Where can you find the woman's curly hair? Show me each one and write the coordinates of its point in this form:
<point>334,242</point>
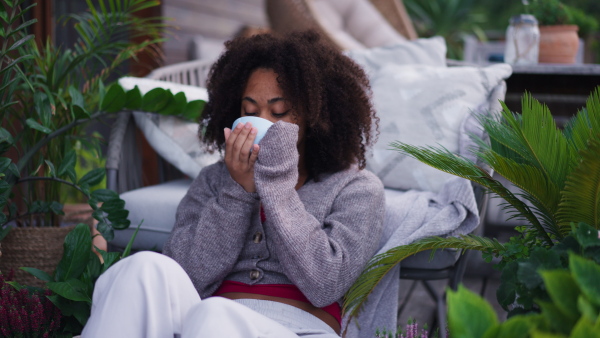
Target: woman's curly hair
<point>330,91</point>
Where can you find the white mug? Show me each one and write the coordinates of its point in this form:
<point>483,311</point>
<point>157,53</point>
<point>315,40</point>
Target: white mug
<point>262,125</point>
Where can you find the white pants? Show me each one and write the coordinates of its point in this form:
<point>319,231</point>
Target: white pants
<point>149,295</point>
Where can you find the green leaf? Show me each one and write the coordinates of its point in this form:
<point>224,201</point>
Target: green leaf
<point>516,327</point>
<point>180,103</point>
<point>78,244</point>
<point>93,177</point>
<point>155,100</point>
<point>555,319</point>
<point>133,99</point>
<point>587,274</point>
<point>170,106</point>
<point>35,125</point>
<point>109,258</point>
<point>506,292</point>
<point>72,289</point>
<point>106,231</point>
<point>127,250</point>
<point>540,258</point>
<point>76,97</point>
<point>586,308</point>
<point>79,112</point>
<point>68,163</point>
<point>43,275</point>
<point>585,329</point>
<point>469,315</point>
<point>104,195</point>
<point>6,140</point>
<point>193,110</point>
<point>94,267</point>
<point>118,216</point>
<point>587,236</point>
<point>114,100</point>
<point>51,167</point>
<point>5,230</point>
<point>4,163</point>
<point>563,290</point>
<point>113,205</point>
<point>56,208</point>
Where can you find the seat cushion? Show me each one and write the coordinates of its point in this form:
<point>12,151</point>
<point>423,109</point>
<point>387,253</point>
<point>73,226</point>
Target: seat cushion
<point>156,206</point>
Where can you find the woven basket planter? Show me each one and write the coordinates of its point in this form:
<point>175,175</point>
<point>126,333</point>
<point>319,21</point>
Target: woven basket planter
<point>34,247</point>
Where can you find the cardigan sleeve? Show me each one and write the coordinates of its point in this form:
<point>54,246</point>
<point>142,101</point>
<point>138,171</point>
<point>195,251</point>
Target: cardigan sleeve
<point>322,259</point>
<point>211,223</point>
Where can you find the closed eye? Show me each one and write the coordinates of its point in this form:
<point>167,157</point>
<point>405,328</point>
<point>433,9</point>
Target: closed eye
<point>280,115</point>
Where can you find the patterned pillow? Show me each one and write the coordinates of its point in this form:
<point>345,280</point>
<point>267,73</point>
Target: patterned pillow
<point>425,106</point>
<point>174,139</point>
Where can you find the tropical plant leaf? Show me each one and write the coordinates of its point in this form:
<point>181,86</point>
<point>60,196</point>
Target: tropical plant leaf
<point>381,264</point>
<point>580,200</point>
<point>469,315</point>
<point>456,165</point>
<point>77,245</point>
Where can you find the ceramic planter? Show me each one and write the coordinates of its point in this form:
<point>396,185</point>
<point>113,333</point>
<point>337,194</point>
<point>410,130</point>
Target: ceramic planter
<point>558,44</point>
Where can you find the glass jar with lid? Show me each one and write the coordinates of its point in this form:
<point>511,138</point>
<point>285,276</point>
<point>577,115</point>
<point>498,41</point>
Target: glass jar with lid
<point>522,40</point>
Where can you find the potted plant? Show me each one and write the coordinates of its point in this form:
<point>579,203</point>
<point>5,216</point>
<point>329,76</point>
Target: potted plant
<point>557,172</point>
<point>568,306</point>
<point>48,94</point>
<point>559,41</point>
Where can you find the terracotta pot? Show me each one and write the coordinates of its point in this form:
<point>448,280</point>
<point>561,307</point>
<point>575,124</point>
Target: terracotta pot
<point>34,247</point>
<point>558,44</point>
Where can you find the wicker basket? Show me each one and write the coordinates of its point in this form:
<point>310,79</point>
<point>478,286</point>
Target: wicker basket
<point>35,247</point>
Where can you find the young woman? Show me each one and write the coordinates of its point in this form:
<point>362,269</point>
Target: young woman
<point>271,237</point>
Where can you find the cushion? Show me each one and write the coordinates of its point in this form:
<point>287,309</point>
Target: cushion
<point>425,106</point>
<point>426,51</point>
<point>174,139</point>
<point>354,24</point>
<point>155,206</point>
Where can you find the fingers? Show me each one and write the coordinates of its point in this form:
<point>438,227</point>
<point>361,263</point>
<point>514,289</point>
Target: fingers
<point>239,141</point>
<point>254,154</point>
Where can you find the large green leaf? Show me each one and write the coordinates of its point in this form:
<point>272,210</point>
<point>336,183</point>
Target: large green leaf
<point>72,289</point>
<point>156,99</point>
<point>78,244</point>
<point>469,315</point>
<point>580,200</point>
<point>381,264</point>
<point>585,329</point>
<point>563,290</point>
<point>515,327</point>
<point>133,99</point>
<point>193,110</point>
<point>587,274</point>
<point>43,275</point>
<point>104,195</point>
<point>555,318</point>
<point>33,124</point>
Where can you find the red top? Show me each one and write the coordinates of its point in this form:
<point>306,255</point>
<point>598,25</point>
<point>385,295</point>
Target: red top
<point>288,291</point>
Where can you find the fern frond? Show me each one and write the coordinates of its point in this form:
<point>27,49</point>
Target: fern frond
<point>581,197</point>
<point>444,160</point>
<point>381,264</point>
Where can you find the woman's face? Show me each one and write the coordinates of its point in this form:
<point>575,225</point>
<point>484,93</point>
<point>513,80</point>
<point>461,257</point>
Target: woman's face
<point>264,98</point>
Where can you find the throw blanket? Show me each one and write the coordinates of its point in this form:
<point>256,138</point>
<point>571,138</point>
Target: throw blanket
<point>410,216</point>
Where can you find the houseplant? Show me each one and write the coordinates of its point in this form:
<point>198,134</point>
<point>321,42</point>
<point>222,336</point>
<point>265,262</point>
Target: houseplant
<point>559,41</point>
<point>570,307</point>
<point>557,172</point>
<point>47,95</point>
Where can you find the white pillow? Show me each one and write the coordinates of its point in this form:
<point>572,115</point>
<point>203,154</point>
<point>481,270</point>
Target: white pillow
<point>425,106</point>
<point>426,51</point>
<point>174,139</point>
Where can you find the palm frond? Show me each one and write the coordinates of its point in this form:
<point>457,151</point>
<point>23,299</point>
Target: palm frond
<point>543,194</point>
<point>381,264</point>
<point>581,197</point>
<point>446,161</point>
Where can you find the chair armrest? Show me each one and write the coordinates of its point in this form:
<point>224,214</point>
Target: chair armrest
<point>115,142</point>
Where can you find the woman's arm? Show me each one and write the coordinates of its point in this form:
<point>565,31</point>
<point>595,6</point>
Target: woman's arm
<point>321,258</point>
<point>210,227</point>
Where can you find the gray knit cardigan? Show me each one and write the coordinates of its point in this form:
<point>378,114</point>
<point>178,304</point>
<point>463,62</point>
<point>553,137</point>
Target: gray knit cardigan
<point>318,238</point>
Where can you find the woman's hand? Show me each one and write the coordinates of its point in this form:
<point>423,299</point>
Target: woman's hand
<point>238,157</point>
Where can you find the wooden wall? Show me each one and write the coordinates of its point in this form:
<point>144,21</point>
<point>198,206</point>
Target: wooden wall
<point>215,19</point>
